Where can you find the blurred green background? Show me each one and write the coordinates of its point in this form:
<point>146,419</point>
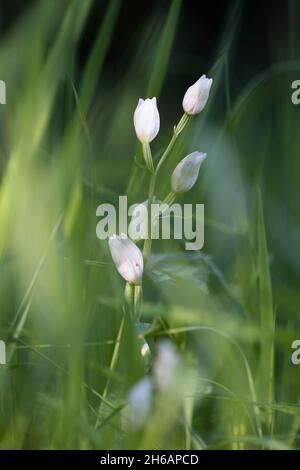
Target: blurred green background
<point>74,71</point>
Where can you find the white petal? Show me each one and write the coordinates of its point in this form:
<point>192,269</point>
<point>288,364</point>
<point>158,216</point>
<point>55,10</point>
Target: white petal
<point>186,172</point>
<point>139,403</point>
<point>138,227</point>
<point>146,120</point>
<point>127,258</point>
<point>197,95</point>
<point>165,365</point>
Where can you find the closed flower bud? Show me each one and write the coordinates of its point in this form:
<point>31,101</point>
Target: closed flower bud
<point>186,172</point>
<point>165,365</point>
<point>197,95</point>
<point>127,258</point>
<point>138,404</point>
<point>146,120</point>
<point>138,227</point>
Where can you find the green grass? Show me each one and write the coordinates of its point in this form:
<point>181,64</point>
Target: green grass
<point>67,144</point>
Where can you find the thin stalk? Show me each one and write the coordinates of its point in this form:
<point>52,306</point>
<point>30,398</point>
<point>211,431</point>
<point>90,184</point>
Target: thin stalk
<point>177,130</point>
<point>133,296</point>
<point>170,198</point>
<point>148,240</point>
<point>113,363</point>
<point>137,302</point>
<point>148,157</point>
<point>129,297</point>
<point>149,162</point>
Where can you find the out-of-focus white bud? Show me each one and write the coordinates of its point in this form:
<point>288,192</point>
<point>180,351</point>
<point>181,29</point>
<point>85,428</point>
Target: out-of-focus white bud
<point>127,258</point>
<point>165,365</point>
<point>197,95</point>
<point>145,353</point>
<point>146,120</point>
<point>186,172</point>
<point>138,226</point>
<point>138,404</point>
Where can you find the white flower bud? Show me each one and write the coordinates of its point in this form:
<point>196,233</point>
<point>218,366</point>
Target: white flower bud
<point>138,404</point>
<point>138,226</point>
<point>146,120</point>
<point>127,258</point>
<point>197,95</point>
<point>186,172</point>
<point>165,365</point>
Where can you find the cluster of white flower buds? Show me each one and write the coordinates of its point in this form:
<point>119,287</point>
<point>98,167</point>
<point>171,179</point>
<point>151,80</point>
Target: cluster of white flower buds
<point>146,116</point>
<point>127,257</point>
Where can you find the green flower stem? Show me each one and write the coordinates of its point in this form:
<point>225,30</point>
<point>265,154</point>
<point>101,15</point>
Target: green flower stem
<point>167,202</point>
<point>149,162</point>
<point>113,363</point>
<point>133,297</point>
<point>177,130</point>
<point>148,157</point>
<point>129,296</point>
<point>148,240</point>
<point>170,198</point>
<point>137,302</point>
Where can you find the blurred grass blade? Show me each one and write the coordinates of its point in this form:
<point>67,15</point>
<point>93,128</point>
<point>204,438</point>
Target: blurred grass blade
<point>164,51</point>
<point>113,363</point>
<point>97,56</point>
<point>266,317</point>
